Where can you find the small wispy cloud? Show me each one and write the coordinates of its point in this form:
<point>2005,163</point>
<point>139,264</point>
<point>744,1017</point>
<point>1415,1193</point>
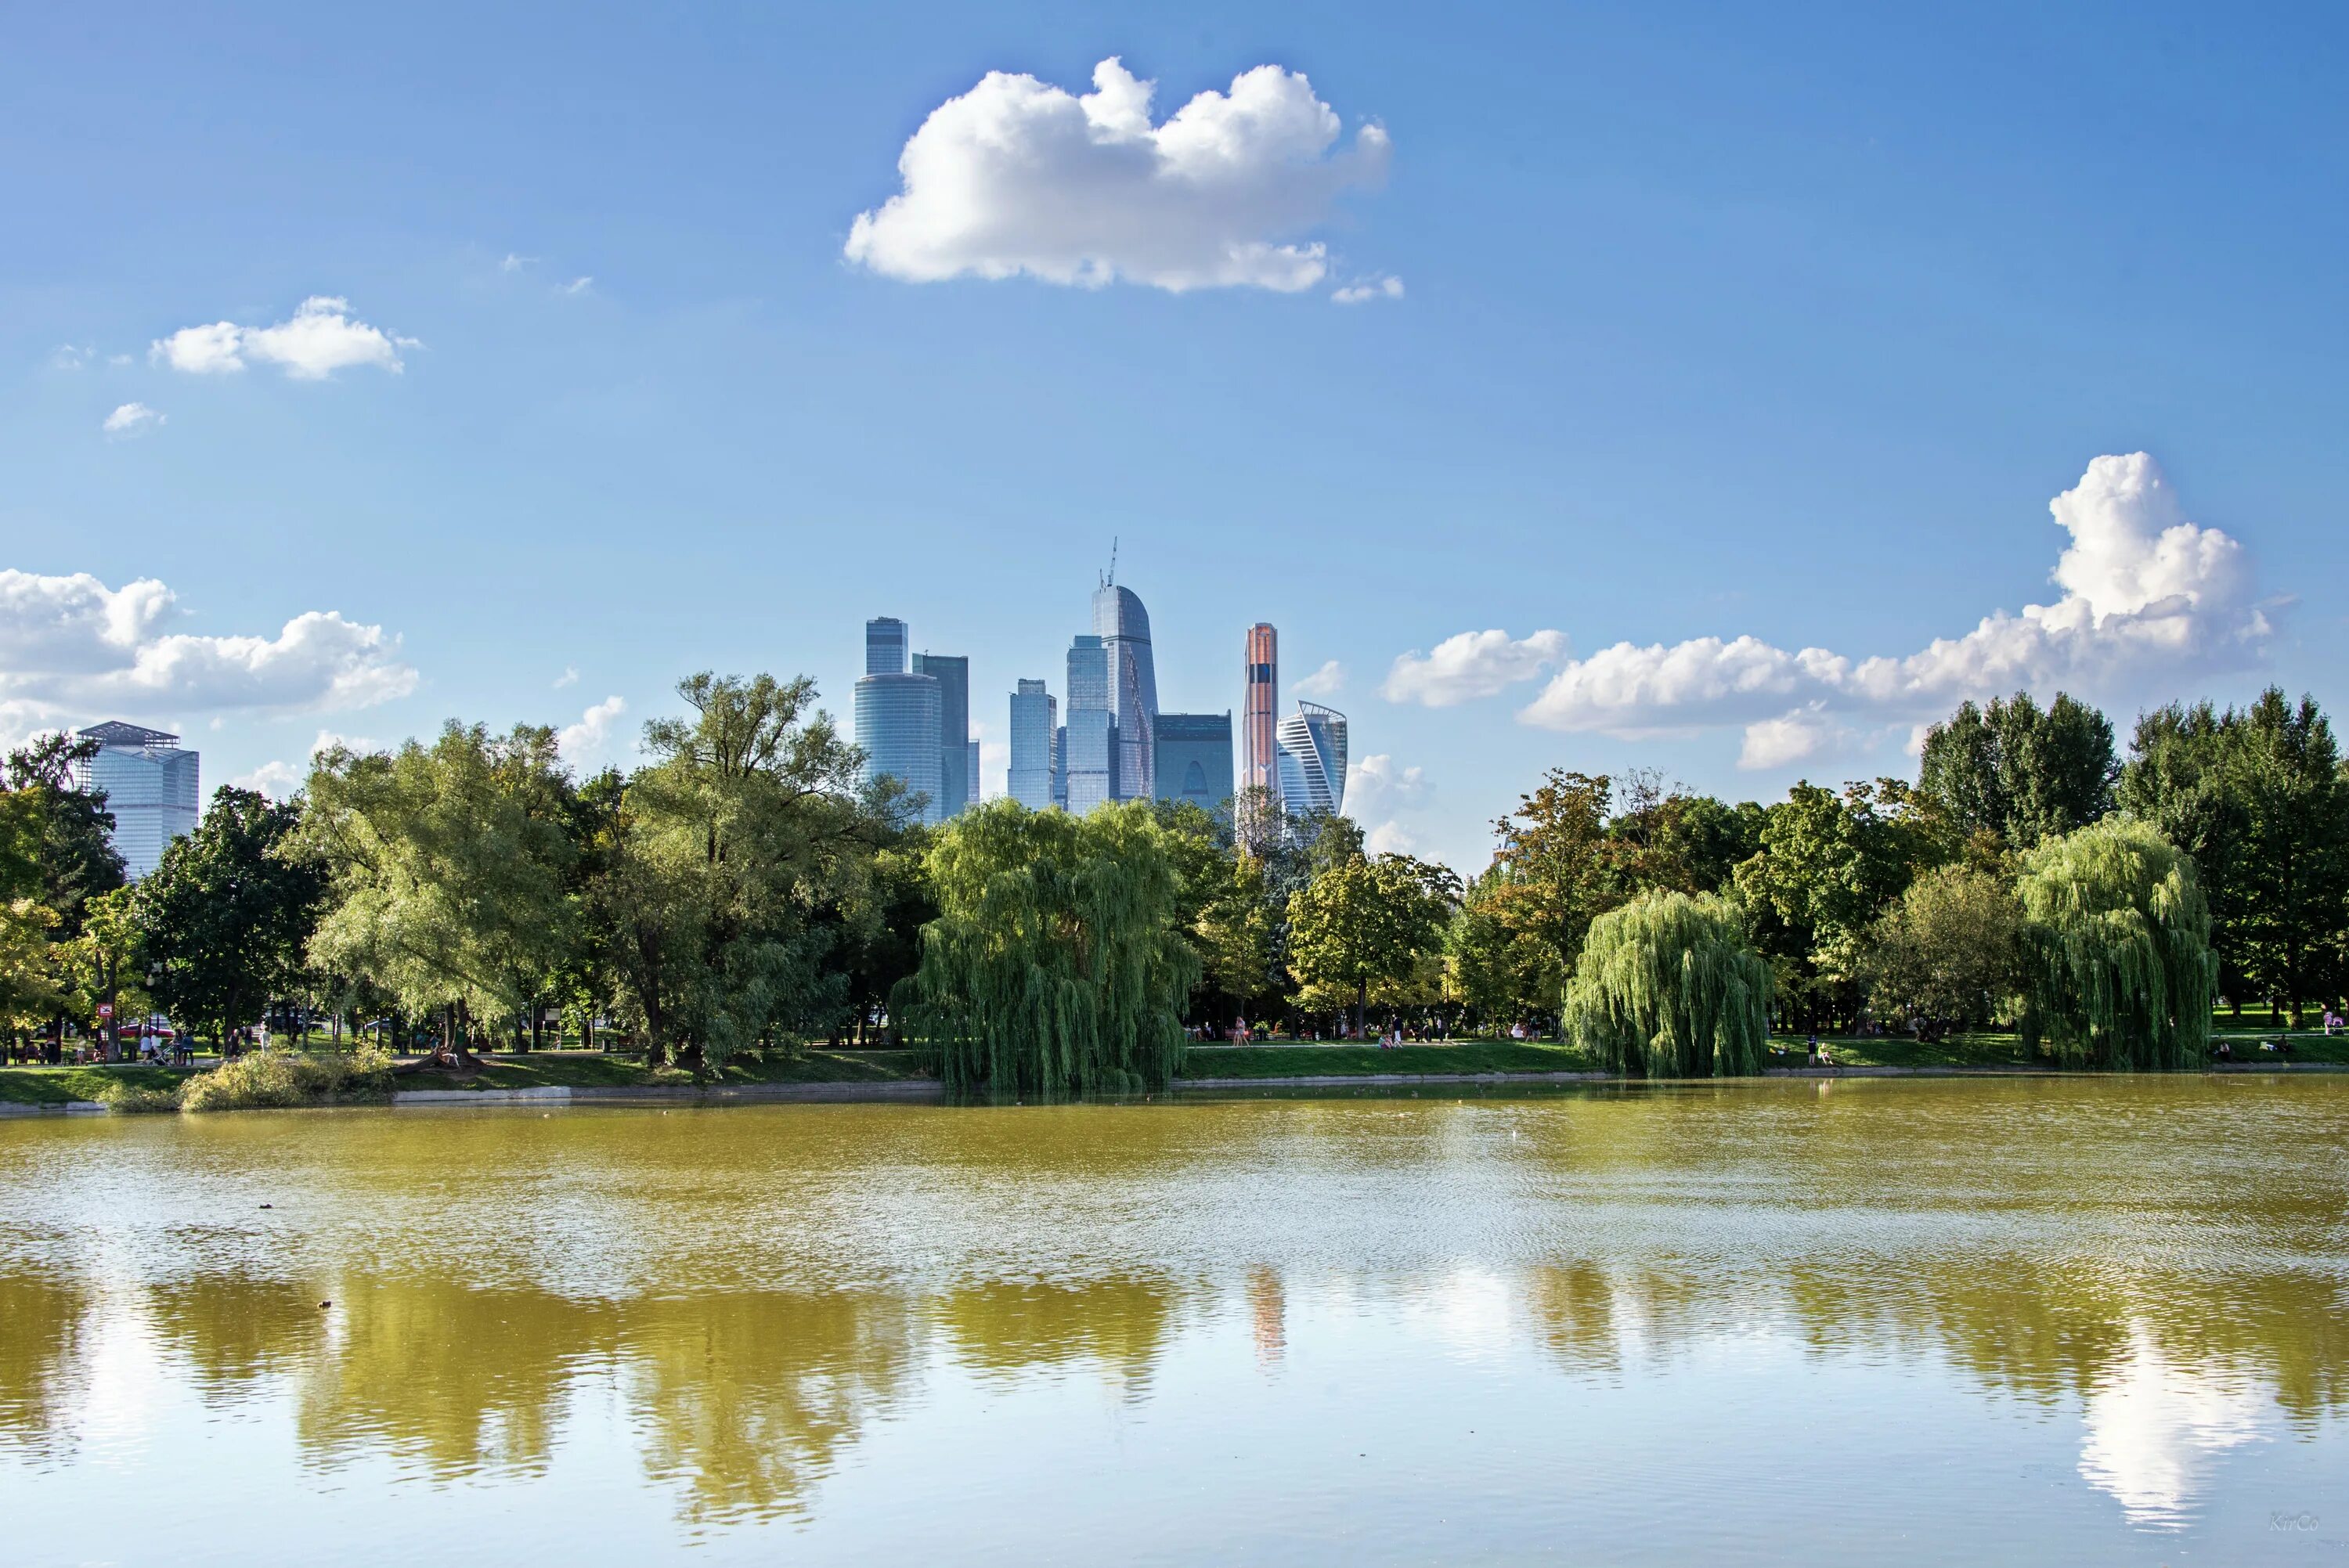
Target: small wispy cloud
<point>570,677</point>
<point>1327,681</point>
<point>1369,289</point>
<point>579,285</point>
<point>133,420</point>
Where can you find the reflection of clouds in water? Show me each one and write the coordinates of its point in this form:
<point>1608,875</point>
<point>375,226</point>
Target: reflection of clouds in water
<point>2153,1428</point>
<point>117,1406</point>
<point>1468,1311</point>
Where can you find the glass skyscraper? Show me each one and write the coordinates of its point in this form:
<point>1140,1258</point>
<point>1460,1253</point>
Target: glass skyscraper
<point>1313,760</point>
<point>957,782</point>
<point>1194,759</point>
<point>1123,627</point>
<point>1088,756</point>
<point>150,786</point>
<point>898,719</point>
<point>885,647</point>
<point>1035,714</point>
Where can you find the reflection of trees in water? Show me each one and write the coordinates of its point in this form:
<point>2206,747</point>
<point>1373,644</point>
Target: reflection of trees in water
<point>742,1400</point>
<point>232,1328</point>
<point>1120,1324</point>
<point>2043,1332</point>
<point>42,1323</point>
<point>746,1400</point>
<point>435,1370</point>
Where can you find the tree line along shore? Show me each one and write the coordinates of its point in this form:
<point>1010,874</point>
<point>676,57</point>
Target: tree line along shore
<point>742,906</point>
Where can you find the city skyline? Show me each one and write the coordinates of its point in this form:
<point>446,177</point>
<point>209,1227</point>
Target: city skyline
<point>1109,686</point>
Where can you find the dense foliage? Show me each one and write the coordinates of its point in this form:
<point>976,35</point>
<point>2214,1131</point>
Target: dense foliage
<point>1056,964</point>
<point>742,890</point>
<point>1668,986</point>
<point>2117,969</point>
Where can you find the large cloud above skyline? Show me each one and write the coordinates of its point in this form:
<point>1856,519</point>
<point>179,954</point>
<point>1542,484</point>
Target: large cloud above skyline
<point>74,651</point>
<point>1017,176</point>
<point>2146,593</point>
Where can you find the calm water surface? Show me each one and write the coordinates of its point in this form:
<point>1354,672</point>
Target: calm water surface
<point>2059,1320</point>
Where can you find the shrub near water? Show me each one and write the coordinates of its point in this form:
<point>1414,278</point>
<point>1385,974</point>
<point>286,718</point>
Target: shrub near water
<point>267,1079</point>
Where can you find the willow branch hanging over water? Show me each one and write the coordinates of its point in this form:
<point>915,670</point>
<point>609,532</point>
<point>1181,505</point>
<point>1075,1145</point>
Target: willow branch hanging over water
<point>2118,971</point>
<point>1055,965</point>
<point>1668,986</point>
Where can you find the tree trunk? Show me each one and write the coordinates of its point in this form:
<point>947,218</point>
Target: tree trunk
<point>537,1025</point>
<point>1362,1002</point>
<point>587,1029</point>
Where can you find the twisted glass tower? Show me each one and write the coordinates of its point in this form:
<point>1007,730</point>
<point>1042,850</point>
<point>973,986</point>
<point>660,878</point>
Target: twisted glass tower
<point>1123,627</point>
<point>1313,759</point>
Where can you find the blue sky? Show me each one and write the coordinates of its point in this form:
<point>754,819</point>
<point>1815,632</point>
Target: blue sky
<point>1783,325</point>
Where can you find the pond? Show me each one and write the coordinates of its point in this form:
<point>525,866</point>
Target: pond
<point>1864,1322</point>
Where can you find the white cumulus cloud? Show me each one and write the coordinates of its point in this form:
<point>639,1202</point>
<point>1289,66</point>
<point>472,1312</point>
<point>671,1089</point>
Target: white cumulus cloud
<point>590,739</point>
<point>276,779</point>
<point>1789,738</point>
<point>1327,681</point>
<point>320,338</point>
<point>73,650</point>
<point>133,420</point>
<point>1378,784</point>
<point>1368,290</point>
<point>1470,664</point>
<point>1017,176</point>
<point>1391,838</point>
<point>2145,591</point>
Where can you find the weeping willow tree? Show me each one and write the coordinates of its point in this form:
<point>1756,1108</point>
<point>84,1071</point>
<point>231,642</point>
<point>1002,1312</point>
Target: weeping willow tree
<point>1055,965</point>
<point>1667,986</point>
<point>2117,966</point>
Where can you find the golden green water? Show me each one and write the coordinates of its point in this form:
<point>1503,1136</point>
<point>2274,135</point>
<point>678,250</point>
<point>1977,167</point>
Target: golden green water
<point>1853,1321</point>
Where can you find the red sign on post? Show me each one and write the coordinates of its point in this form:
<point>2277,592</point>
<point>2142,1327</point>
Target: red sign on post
<point>106,1009</point>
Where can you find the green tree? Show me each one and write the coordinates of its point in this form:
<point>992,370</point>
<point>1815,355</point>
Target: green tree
<point>1558,866</point>
<point>1055,965</point>
<point>1827,866</point>
<point>2256,795</point>
<point>749,819</point>
<point>103,961</point>
<point>1668,986</point>
<point>2117,962</point>
<point>448,871</point>
<point>29,994</point>
<point>2292,876</point>
<point>225,916</point>
<point>1948,950</point>
<point>70,828</point>
<point>1500,971</point>
<point>2022,774</point>
<point>1368,920</point>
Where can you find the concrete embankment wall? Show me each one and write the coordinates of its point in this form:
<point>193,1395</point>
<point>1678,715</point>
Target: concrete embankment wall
<point>908,1089</point>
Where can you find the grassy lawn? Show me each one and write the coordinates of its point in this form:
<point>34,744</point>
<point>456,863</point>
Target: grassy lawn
<point>594,1069</point>
<point>1319,1061</point>
<point>55,1086</point>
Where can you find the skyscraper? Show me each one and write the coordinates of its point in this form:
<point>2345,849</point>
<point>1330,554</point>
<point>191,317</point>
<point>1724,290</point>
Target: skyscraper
<point>897,718</point>
<point>1035,714</point>
<point>1123,627</point>
<point>1089,754</point>
<point>1194,759</point>
<point>1313,759</point>
<point>1259,710</point>
<point>957,784</point>
<point>885,647</point>
<point>150,786</point>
